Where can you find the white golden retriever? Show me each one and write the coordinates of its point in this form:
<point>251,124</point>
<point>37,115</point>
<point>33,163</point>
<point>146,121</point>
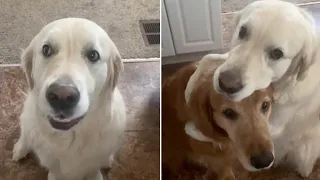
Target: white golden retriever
<point>276,42</point>
<point>74,115</point>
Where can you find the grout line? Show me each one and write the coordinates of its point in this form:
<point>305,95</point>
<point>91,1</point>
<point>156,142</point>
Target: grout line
<point>140,130</point>
<point>301,4</point>
<point>9,65</point>
<point>123,60</point>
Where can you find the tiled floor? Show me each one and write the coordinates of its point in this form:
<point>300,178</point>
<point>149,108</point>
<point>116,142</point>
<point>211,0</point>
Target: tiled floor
<point>139,157</point>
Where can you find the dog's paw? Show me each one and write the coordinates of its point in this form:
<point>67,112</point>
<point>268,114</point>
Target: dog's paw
<point>304,173</point>
<point>51,176</point>
<point>111,160</point>
<point>19,151</point>
<point>95,176</point>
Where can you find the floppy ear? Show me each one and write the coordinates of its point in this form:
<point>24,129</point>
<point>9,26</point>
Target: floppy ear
<point>309,50</point>
<point>27,63</point>
<point>236,19</point>
<point>115,67</point>
<point>244,13</point>
<point>202,112</point>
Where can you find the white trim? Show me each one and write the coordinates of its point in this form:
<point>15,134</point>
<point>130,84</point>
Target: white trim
<point>137,60</point>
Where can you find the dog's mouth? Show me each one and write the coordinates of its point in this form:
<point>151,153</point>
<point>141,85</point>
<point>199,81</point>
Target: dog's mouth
<point>64,123</point>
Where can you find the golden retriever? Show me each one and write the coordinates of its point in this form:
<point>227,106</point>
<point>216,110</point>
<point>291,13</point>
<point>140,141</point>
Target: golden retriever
<point>74,116</point>
<point>277,42</point>
<point>211,129</point>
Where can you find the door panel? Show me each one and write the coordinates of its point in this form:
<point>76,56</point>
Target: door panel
<point>167,48</point>
<point>195,24</point>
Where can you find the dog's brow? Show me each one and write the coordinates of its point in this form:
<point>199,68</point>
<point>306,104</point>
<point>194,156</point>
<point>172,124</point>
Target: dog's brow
<point>53,44</point>
<point>88,47</point>
<point>50,41</point>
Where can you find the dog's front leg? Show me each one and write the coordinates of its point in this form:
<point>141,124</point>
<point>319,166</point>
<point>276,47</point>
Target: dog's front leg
<point>97,175</point>
<point>21,148</point>
<point>305,155</point>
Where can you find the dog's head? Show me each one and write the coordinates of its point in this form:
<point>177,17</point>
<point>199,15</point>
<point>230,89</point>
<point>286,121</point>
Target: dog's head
<point>243,123</point>
<point>272,39</point>
<point>68,65</point>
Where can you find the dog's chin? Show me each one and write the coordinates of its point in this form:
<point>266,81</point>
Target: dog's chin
<point>64,124</point>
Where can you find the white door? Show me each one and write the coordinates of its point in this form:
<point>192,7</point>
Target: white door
<point>195,24</point>
<point>167,48</point>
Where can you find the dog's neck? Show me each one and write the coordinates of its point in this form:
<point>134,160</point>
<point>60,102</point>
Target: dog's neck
<point>288,90</point>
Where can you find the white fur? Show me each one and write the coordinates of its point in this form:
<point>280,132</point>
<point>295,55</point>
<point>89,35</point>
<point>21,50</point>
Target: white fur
<point>294,123</point>
<point>80,152</point>
<point>192,131</point>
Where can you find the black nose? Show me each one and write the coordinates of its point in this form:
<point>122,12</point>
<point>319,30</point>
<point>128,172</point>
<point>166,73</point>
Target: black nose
<point>230,81</point>
<point>63,95</point>
<point>262,160</point>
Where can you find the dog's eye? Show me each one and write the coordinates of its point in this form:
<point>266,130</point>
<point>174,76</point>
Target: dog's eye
<point>243,32</point>
<point>276,54</point>
<point>93,56</point>
<point>265,106</point>
<point>230,114</point>
<point>46,50</point>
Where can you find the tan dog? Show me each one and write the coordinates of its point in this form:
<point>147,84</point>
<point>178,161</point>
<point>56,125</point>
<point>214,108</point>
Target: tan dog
<point>74,115</point>
<point>211,129</point>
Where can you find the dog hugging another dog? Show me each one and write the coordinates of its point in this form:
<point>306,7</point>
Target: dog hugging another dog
<point>258,103</point>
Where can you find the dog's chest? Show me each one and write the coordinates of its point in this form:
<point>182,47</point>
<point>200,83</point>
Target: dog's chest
<point>290,121</point>
<point>77,153</point>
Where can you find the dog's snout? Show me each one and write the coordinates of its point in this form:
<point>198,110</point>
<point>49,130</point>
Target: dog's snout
<point>230,81</point>
<point>63,95</point>
<point>262,160</point>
